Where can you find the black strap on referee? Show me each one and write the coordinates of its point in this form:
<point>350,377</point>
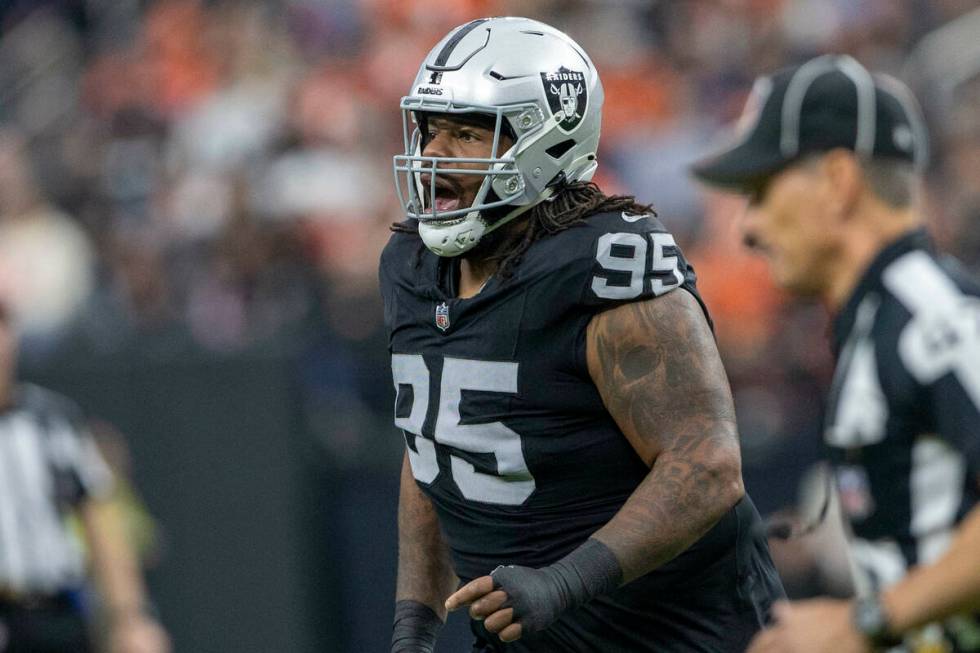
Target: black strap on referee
<point>415,629</point>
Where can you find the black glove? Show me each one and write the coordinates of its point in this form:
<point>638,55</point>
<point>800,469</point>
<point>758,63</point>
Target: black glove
<point>539,596</point>
<point>416,628</point>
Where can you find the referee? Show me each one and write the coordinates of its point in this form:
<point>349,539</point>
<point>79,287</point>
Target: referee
<point>830,158</point>
<point>49,467</point>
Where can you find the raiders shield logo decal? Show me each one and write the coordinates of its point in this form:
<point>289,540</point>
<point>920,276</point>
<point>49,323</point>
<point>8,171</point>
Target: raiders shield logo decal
<point>567,96</point>
<point>442,316</point>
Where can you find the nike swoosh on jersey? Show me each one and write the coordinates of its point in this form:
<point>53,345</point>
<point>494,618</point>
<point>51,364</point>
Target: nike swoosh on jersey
<point>629,217</point>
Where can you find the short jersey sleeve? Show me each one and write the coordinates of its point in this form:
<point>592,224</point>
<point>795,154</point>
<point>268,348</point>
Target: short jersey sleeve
<point>957,418</point>
<point>632,258</point>
<point>942,354</point>
<point>93,475</point>
<point>939,348</point>
<point>616,258</point>
<point>74,454</point>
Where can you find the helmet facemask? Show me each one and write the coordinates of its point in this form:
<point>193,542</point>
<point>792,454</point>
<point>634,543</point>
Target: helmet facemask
<point>420,180</point>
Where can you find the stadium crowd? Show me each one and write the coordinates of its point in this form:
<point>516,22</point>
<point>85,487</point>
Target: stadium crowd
<point>184,175</point>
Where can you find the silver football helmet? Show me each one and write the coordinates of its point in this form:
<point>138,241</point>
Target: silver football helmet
<point>537,86</point>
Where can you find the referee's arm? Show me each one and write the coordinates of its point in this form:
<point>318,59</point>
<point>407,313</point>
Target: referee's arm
<point>945,588</point>
<point>116,571</point>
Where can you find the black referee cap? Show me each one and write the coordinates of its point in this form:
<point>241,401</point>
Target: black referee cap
<point>828,102</point>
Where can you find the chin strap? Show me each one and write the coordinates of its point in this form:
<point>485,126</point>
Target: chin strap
<point>445,248</point>
<point>546,196</point>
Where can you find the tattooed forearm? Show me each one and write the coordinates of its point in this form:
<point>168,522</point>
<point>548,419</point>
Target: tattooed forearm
<point>657,368</point>
<point>424,569</point>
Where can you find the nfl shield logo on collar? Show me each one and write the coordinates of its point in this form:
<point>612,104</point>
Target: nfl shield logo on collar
<point>442,316</point>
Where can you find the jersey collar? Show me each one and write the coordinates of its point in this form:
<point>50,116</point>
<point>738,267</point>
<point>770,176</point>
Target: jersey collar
<point>917,239</point>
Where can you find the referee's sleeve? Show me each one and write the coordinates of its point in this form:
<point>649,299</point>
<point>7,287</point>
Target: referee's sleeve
<point>939,346</point>
<point>75,452</point>
<point>95,478</point>
<point>956,413</point>
<point>940,351</point>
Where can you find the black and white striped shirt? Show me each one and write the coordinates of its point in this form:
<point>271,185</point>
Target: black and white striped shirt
<point>903,420</point>
<point>49,463</point>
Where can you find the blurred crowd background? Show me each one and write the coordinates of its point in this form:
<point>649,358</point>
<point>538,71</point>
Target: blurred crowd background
<point>193,197</point>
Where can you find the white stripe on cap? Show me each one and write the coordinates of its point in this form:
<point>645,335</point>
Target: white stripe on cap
<point>864,85</point>
<point>799,84</point>
<point>804,77</point>
<point>920,137</point>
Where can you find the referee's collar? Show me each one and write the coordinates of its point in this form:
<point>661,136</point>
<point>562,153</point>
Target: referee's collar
<point>917,239</point>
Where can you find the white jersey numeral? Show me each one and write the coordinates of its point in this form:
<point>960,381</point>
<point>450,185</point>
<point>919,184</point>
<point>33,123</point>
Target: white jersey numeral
<point>627,252</point>
<point>512,484</point>
<point>411,371</point>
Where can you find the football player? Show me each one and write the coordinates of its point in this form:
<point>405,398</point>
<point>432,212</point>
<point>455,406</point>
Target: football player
<point>572,472</point>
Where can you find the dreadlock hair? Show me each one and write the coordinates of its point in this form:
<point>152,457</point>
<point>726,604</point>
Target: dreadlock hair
<point>572,204</point>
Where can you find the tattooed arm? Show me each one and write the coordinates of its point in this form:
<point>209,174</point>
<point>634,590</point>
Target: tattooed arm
<point>657,368</point>
<point>658,371</point>
<point>425,574</point>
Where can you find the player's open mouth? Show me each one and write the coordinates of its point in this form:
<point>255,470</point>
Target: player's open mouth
<point>447,196</point>
<point>446,201</point>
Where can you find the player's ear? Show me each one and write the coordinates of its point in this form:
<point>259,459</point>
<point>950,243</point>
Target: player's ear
<point>844,182</point>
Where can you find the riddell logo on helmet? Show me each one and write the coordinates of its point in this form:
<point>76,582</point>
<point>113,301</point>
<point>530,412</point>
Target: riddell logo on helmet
<point>568,97</point>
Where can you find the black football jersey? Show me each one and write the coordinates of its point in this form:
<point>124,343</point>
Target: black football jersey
<point>506,432</point>
<point>903,420</point>
<point>509,438</point>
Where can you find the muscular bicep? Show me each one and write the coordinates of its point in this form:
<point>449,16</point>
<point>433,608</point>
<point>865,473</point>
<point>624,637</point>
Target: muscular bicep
<point>658,371</point>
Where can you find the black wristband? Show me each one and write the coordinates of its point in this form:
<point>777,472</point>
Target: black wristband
<point>415,628</point>
<point>590,570</point>
<point>540,596</point>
